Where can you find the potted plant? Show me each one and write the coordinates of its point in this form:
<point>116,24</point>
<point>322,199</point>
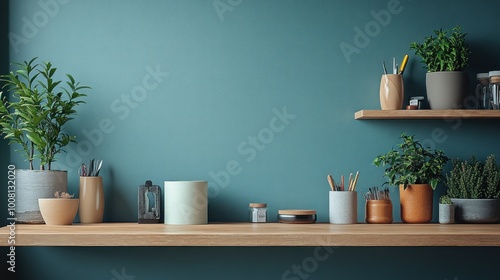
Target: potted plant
<point>34,118</point>
<point>417,171</point>
<point>474,188</point>
<point>60,210</point>
<point>445,56</point>
<point>446,210</point>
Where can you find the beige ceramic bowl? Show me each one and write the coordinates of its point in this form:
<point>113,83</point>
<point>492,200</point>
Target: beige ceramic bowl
<point>58,211</point>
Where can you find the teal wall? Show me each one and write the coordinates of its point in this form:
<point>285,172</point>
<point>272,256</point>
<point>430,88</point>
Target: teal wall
<point>181,90</point>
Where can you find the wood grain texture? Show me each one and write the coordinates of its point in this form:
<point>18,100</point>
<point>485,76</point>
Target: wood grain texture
<point>426,114</point>
<point>254,234</point>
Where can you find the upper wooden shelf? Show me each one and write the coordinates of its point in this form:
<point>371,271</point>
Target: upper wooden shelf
<point>425,114</point>
<point>253,234</point>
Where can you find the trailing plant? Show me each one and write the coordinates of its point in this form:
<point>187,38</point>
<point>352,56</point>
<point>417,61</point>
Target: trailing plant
<point>412,164</point>
<point>60,194</point>
<point>38,110</point>
<point>443,52</point>
<point>474,179</point>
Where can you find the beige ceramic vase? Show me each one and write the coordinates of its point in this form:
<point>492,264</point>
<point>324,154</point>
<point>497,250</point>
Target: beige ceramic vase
<point>58,211</point>
<point>91,196</point>
<point>391,92</point>
<point>416,203</point>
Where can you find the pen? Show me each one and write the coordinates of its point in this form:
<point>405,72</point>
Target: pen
<point>403,65</point>
<point>385,69</point>
<point>394,69</point>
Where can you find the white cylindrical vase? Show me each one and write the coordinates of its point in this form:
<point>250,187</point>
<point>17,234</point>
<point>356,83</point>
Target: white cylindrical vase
<point>186,202</point>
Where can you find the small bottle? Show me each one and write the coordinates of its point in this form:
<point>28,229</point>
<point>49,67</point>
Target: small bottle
<point>258,212</point>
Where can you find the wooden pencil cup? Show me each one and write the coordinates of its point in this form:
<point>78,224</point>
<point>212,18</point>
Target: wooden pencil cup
<point>91,197</point>
<point>378,211</point>
<point>391,92</point>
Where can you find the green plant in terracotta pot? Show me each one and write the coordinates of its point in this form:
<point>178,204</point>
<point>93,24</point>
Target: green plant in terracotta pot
<point>445,55</point>
<point>33,117</point>
<point>474,188</point>
<point>417,171</point>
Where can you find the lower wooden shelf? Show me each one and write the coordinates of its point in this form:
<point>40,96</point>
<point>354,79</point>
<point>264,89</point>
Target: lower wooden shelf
<point>252,234</point>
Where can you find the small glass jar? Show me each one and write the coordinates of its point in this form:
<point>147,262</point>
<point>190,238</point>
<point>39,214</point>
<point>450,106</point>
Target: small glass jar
<point>258,212</point>
<point>483,91</point>
<point>495,89</point>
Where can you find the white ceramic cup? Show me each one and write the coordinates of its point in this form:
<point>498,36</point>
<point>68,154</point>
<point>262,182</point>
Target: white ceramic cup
<point>343,207</point>
<point>186,202</point>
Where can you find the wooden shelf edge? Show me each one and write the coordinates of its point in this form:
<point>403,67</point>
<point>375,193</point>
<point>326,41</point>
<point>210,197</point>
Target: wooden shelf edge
<point>425,114</point>
<point>247,234</point>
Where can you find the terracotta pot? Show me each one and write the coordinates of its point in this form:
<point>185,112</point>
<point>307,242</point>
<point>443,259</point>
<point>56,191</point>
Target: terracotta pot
<point>58,211</point>
<point>378,212</point>
<point>416,203</point>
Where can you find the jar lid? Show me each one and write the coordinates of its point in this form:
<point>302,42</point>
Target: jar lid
<point>257,205</point>
<point>297,212</point>
<point>494,73</point>
<point>483,75</point>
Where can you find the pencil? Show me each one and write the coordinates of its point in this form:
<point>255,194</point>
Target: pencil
<point>331,182</point>
<point>355,181</point>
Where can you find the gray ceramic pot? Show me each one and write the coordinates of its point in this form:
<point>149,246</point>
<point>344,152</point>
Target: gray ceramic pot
<point>447,89</point>
<point>478,211</point>
<point>446,213</point>
<point>32,185</point>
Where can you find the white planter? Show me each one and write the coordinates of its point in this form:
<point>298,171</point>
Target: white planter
<point>32,185</point>
<point>447,89</point>
<point>186,202</point>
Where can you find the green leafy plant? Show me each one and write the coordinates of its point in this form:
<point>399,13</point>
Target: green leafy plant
<point>38,109</point>
<point>444,199</point>
<point>474,179</point>
<point>443,52</point>
<point>412,164</point>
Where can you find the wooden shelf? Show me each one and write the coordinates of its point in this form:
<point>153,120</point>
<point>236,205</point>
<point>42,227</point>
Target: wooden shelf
<point>253,234</point>
<point>425,114</point>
